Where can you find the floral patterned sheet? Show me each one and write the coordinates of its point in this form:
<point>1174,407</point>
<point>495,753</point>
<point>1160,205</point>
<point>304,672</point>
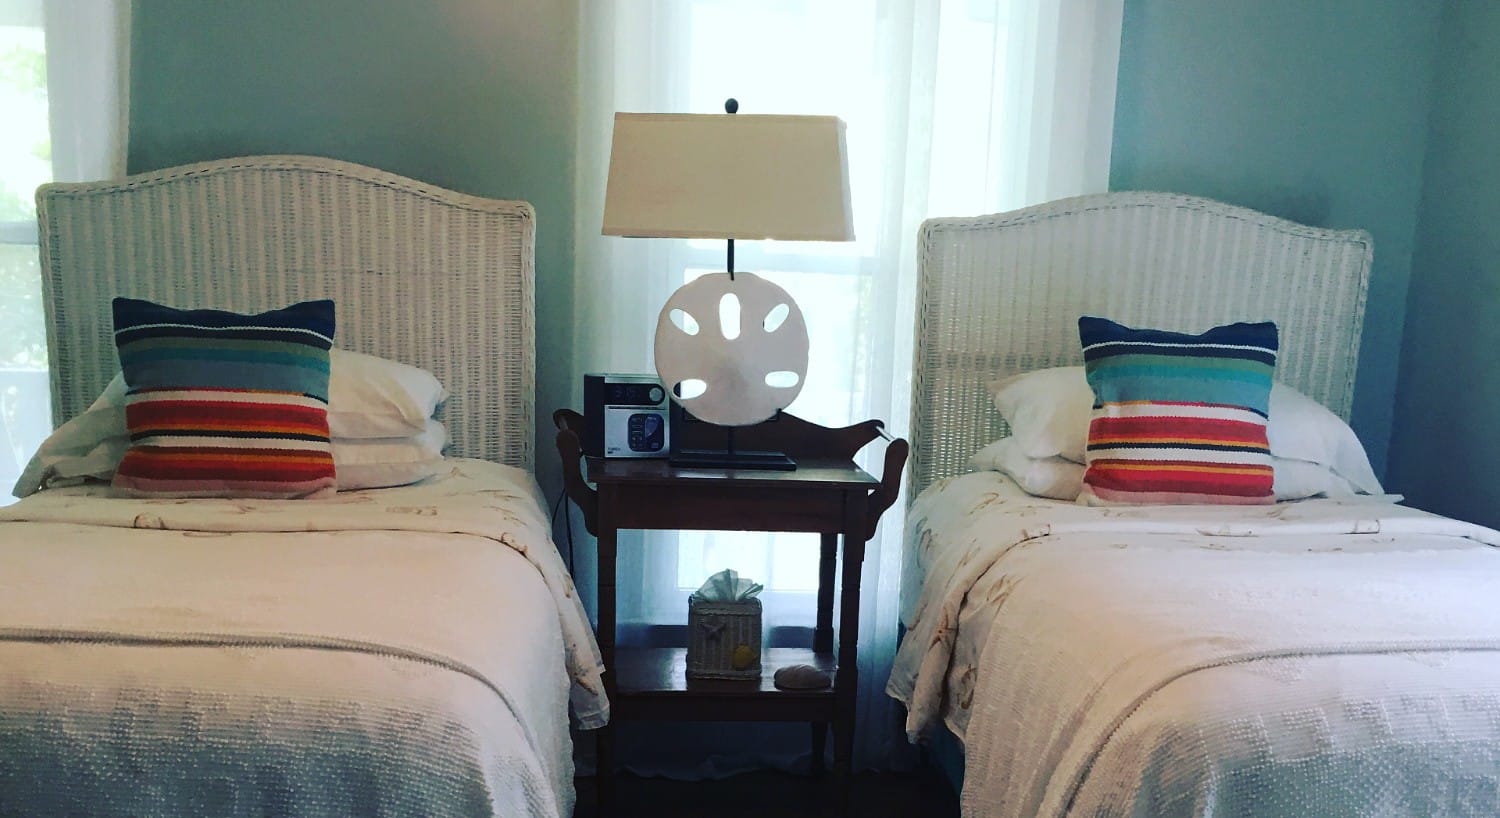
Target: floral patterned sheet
<point>410,650</point>
<point>1328,657</point>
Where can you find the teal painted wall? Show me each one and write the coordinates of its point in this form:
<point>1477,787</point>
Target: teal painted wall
<point>1314,111</point>
<point>479,97</point>
<point>1317,112</point>
<point>1447,437</point>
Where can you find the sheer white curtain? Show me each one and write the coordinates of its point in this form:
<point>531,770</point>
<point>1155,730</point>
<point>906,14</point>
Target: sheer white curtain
<point>954,107</point>
<point>63,80</point>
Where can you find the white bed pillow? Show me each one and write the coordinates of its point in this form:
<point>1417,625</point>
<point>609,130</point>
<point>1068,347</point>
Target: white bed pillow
<point>1048,411</point>
<point>381,462</point>
<point>370,398</point>
<point>67,457</point>
<point>1060,479</point>
<point>1299,480</point>
<point>1300,428</point>
<point>1051,477</point>
<point>90,445</point>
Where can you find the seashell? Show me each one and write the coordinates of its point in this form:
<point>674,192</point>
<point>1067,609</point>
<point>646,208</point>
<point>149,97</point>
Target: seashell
<point>743,657</point>
<point>802,677</point>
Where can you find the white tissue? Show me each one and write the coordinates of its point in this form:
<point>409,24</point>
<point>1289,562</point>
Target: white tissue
<point>727,586</point>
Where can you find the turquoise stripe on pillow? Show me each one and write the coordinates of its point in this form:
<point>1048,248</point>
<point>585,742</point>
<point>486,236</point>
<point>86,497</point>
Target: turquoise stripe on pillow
<point>229,374</point>
<point>1184,385</point>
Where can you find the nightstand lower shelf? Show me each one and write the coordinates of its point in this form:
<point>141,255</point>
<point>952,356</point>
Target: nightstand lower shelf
<point>652,684</point>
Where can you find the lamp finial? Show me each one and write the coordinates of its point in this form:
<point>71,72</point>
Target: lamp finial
<point>731,106</point>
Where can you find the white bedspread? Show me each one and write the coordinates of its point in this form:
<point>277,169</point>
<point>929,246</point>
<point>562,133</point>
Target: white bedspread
<point>1323,657</point>
<point>406,651</point>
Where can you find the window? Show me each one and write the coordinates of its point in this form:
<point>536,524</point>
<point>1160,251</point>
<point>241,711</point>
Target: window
<point>25,162</point>
<point>62,80</point>
<point>953,107</point>
<point>837,58</point>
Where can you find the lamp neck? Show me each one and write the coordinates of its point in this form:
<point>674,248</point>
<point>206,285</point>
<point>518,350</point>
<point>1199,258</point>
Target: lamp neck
<point>729,264</point>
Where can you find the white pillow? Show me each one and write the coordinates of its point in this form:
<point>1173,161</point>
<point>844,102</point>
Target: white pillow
<point>375,397</point>
<point>89,445</point>
<point>1051,477</point>
<point>361,463</point>
<point>1062,479</point>
<point>369,463</point>
<point>1299,480</point>
<point>1300,428</point>
<point>1048,410</point>
<point>368,398</point>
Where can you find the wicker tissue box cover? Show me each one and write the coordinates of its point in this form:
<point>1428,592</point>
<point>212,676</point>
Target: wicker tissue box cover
<point>723,639</point>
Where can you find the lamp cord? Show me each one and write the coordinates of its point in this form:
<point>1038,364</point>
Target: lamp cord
<point>562,498</point>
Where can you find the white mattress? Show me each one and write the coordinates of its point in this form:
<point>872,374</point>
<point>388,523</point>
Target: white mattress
<point>1323,657</point>
<point>406,651</point>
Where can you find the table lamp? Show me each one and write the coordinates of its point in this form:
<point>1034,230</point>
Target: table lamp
<point>731,347</point>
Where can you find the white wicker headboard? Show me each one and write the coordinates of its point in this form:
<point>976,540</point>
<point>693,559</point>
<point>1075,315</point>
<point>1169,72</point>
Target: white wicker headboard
<point>998,295</point>
<point>434,278</point>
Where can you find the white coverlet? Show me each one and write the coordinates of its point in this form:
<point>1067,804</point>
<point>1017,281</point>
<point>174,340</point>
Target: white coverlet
<point>406,651</point>
<point>1329,657</point>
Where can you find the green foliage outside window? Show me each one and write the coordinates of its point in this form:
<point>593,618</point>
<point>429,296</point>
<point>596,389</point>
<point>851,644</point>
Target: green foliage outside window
<point>23,337</point>
<point>25,162</point>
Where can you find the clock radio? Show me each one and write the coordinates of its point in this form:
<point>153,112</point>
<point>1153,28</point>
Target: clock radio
<point>625,416</point>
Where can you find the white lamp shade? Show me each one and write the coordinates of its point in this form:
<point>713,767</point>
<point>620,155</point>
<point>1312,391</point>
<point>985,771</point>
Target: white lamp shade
<point>728,176</point>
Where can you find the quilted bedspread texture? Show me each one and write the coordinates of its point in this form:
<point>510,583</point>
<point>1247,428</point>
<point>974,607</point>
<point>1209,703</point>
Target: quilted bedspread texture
<point>1331,658</point>
<point>397,652</point>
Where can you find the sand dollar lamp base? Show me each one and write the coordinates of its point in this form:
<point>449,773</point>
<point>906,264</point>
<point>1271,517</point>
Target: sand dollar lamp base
<point>732,349</point>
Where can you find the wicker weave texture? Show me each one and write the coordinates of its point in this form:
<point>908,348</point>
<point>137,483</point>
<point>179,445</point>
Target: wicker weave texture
<point>715,631</point>
<point>999,295</point>
<point>427,276</point>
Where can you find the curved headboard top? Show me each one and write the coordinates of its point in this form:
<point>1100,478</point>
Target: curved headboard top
<point>434,278</point>
<point>1000,295</point>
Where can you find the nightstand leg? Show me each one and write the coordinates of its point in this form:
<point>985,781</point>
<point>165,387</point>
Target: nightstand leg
<point>604,774</point>
<point>827,562</point>
<point>819,747</point>
<point>823,636</point>
<point>847,678</point>
<point>843,737</point>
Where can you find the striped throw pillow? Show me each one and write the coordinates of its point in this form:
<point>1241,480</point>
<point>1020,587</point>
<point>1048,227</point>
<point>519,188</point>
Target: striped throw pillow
<point>220,404</point>
<point>1178,418</point>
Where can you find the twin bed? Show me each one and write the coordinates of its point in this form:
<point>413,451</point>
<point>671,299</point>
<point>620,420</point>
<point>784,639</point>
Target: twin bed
<point>409,650</point>
<point>418,649</point>
<point>1336,655</point>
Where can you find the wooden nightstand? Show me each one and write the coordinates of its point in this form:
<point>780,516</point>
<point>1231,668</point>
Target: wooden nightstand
<point>827,494</point>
